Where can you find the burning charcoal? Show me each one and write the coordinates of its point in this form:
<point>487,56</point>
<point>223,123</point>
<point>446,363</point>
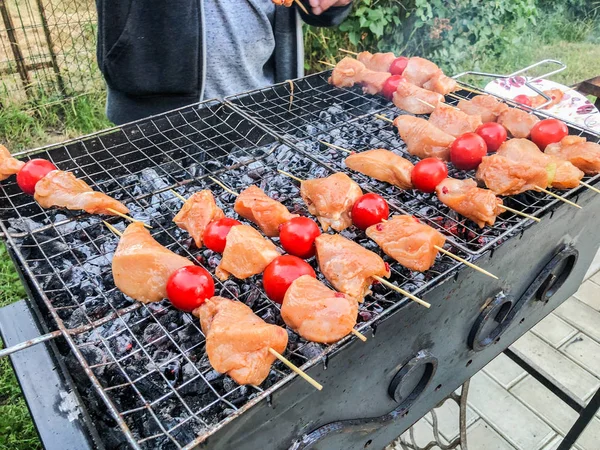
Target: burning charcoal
<point>23,225</point>
<point>172,372</point>
<point>365,316</point>
<point>253,296</point>
<point>93,355</point>
<point>311,350</point>
<point>122,344</point>
<point>232,289</point>
<point>155,335</point>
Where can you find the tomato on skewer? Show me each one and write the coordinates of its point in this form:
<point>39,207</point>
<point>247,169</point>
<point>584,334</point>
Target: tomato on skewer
<point>297,236</point>
<point>399,65</point>
<point>428,173</point>
<point>547,132</point>
<point>493,134</point>
<point>189,287</point>
<point>467,150</point>
<point>523,100</point>
<point>390,86</point>
<point>281,273</point>
<point>32,172</point>
<point>370,209</point>
<point>215,234</point>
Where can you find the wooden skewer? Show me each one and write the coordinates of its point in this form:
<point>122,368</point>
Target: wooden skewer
<point>379,116</point>
<point>113,229</point>
<point>178,195</point>
<point>568,202</point>
<point>301,6</point>
<point>464,261</point>
<point>291,83</point>
<point>299,180</point>
<point>326,63</point>
<point>225,188</point>
<point>401,291</point>
<point>347,51</point>
<point>126,217</point>
<point>359,335</point>
<point>291,365</point>
<point>336,147</point>
<point>434,107</point>
<point>589,186</point>
<point>519,213</point>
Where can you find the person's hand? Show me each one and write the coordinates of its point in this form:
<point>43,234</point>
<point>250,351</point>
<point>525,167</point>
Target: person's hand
<point>320,6</point>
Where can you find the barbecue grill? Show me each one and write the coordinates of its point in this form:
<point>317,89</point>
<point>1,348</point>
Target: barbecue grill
<point>141,371</point>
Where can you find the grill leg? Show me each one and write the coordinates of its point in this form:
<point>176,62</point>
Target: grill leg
<point>584,419</point>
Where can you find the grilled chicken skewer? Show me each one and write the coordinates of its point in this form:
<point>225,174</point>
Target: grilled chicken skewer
<point>8,165</point>
<point>238,342</point>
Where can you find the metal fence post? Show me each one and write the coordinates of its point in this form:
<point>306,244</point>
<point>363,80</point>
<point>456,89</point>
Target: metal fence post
<point>14,44</point>
<point>59,79</point>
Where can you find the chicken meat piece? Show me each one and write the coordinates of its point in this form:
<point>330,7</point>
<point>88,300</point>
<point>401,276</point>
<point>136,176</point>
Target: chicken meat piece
<point>507,177</point>
<point>463,196</point>
<point>331,199</point>
<point>441,84</point>
<point>349,72</point>
<point>141,266</point>
<point>575,149</point>
<point>423,139</point>
<point>62,189</point>
<point>383,165</point>
<point>408,241</point>
<point>197,212</point>
<point>256,206</point>
<point>420,70</point>
<point>561,173</point>
<point>453,121</point>
<point>348,266</point>
<point>517,122</point>
<point>317,313</point>
<point>378,62</point>
<point>238,341</point>
<point>286,3</point>
<point>487,107</point>
<point>556,96</point>
<point>8,165</point>
<point>246,253</point>
<point>415,99</point>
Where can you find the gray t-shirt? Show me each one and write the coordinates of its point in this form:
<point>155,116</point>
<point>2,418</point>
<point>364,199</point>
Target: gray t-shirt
<point>239,46</point>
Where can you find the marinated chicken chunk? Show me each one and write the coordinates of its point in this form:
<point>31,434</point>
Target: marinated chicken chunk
<point>8,165</point>
<point>317,313</point>
<point>348,266</point>
<point>349,72</point>
<point>141,266</point>
<point>487,107</point>
<point>246,253</point>
<point>415,99</point>
<point>408,241</point>
<point>453,121</point>
<point>507,177</point>
<point>441,84</point>
<point>420,70</point>
<point>256,206</point>
<point>197,212</point>
<point>423,139</point>
<point>556,96</point>
<point>382,165</point>
<point>238,341</point>
<point>518,122</point>
<point>331,199</point>
<point>582,154</point>
<point>62,189</point>
<point>463,196</point>
<point>378,62</point>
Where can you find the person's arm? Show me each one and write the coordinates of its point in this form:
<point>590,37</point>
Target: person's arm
<point>325,13</point>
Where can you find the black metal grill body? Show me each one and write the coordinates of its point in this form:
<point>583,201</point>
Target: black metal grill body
<point>147,362</point>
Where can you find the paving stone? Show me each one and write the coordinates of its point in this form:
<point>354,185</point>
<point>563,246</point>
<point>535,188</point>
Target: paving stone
<point>571,375</point>
<point>481,436</point>
<point>513,420</point>
<point>554,330</point>
<point>504,371</point>
<point>585,351</point>
<point>589,293</point>
<point>581,316</point>
<point>554,443</point>
<point>423,433</point>
<point>549,407</point>
<point>447,416</point>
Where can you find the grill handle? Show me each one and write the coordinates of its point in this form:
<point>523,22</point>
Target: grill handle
<point>30,343</point>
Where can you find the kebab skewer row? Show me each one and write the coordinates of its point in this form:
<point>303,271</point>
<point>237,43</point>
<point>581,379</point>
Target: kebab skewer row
<point>193,218</point>
<point>220,314</point>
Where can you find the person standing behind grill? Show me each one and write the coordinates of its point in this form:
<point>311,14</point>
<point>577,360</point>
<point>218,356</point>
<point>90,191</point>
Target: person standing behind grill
<point>160,55</point>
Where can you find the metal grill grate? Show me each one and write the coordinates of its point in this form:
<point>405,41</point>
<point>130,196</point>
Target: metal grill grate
<point>349,122</point>
<point>148,361</point>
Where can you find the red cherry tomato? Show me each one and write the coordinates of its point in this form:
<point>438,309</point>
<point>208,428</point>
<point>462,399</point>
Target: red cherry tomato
<point>368,210</point>
<point>282,272</point>
<point>189,286</point>
<point>32,172</point>
<point>216,232</point>
<point>390,85</point>
<point>493,134</point>
<point>297,236</point>
<point>548,131</point>
<point>398,65</point>
<point>428,173</point>
<point>467,150</point>
<point>523,100</point>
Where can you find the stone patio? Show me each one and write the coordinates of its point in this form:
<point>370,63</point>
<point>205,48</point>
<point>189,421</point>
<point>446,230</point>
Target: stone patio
<point>509,409</point>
